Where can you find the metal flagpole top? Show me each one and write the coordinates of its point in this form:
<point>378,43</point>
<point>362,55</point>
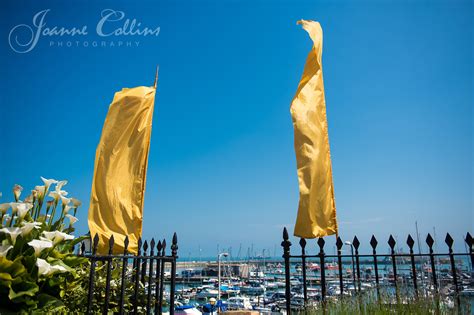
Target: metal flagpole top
<point>156,76</point>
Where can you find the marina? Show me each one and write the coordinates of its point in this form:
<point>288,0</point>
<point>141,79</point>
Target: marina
<point>260,286</point>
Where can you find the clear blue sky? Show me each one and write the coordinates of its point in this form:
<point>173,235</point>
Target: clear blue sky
<point>222,170</point>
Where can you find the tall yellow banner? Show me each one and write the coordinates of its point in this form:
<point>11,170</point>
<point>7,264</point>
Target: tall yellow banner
<point>118,187</point>
<point>317,207</point>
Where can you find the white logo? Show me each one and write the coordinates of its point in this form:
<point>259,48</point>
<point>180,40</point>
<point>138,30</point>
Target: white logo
<point>24,38</point>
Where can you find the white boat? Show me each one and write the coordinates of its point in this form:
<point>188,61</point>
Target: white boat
<point>253,289</point>
<point>206,293</point>
<point>186,310</point>
<point>239,303</point>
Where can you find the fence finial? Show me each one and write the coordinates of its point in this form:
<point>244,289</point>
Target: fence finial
<point>163,244</point>
<point>410,241</point>
<point>449,241</point>
<point>469,240</point>
<point>391,242</point>
<point>111,244</point>
<point>373,242</point>
<point>126,242</point>
<point>339,243</point>
<point>429,240</point>
<point>174,245</point>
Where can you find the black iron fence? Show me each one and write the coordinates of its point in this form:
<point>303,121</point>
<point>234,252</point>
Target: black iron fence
<point>421,280</point>
<point>138,284</point>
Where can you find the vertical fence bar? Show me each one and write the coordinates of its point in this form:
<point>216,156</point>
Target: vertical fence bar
<point>323,268</point>
<point>410,243</point>
<point>124,273</point>
<point>107,281</point>
<point>356,245</point>
<point>162,277</point>
<point>92,274</point>
<point>150,276</point>
<point>391,243</point>
<point>144,263</point>
<point>158,276</point>
<point>449,241</point>
<point>430,242</point>
<point>339,245</point>
<point>373,243</point>
<point>174,253</point>
<point>286,255</point>
<point>303,262</point>
<point>137,277</point>
<point>470,243</point>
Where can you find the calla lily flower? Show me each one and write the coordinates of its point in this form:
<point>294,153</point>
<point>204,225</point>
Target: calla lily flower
<point>76,202</point>
<point>29,226</point>
<point>55,195</point>
<point>65,201</point>
<point>4,250</point>
<point>60,184</point>
<point>29,199</point>
<point>23,209</point>
<point>14,206</point>
<point>12,231</point>
<point>4,207</point>
<point>40,245</point>
<point>66,209</point>
<point>72,219</point>
<point>56,236</point>
<point>17,189</point>
<point>45,268</point>
<point>40,190</point>
<point>48,182</point>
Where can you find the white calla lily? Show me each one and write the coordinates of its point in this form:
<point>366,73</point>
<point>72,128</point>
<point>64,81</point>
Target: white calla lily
<point>48,182</point>
<point>45,268</point>
<point>29,226</point>
<point>12,231</point>
<point>23,209</point>
<point>60,184</point>
<point>72,219</point>
<point>40,245</point>
<point>58,268</point>
<point>4,207</point>
<point>66,209</point>
<point>40,190</point>
<point>55,195</point>
<point>65,201</point>
<point>56,236</point>
<point>14,206</point>
<point>17,189</point>
<point>76,202</point>
<point>4,250</point>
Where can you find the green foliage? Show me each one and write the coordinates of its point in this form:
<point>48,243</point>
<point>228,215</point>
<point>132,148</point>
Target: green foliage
<point>38,268</point>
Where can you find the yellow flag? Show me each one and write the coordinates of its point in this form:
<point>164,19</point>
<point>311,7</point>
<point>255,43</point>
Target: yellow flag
<point>121,159</point>
<point>317,207</point>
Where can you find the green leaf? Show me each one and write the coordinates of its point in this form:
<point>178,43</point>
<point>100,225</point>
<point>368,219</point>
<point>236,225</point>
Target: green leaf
<point>23,288</point>
<point>73,261</point>
<point>14,268</point>
<point>49,302</point>
<point>5,277</point>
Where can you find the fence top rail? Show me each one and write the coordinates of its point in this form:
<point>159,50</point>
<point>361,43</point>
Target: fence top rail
<point>378,255</point>
<point>129,256</point>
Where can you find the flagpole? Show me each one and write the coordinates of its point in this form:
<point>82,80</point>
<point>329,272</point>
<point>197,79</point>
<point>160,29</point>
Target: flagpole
<point>156,76</point>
